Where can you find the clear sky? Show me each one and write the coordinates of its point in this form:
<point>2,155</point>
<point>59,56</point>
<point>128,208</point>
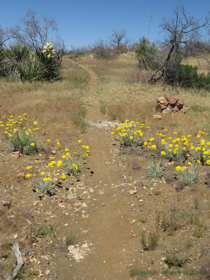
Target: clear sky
<point>82,22</point>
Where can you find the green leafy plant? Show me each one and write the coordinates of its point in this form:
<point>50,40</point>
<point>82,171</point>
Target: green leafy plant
<point>189,176</point>
<point>44,186</point>
<point>173,123</point>
<point>23,142</point>
<point>146,53</point>
<point>74,166</point>
<point>156,171</point>
<point>30,69</point>
<point>160,126</point>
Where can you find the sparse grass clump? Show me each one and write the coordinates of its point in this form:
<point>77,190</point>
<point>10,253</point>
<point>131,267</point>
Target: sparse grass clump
<point>44,231</point>
<point>70,238</point>
<point>150,242</point>
<point>176,259</point>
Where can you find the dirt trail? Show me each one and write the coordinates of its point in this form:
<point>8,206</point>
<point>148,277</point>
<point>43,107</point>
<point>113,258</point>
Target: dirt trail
<point>93,111</point>
<point>107,225</point>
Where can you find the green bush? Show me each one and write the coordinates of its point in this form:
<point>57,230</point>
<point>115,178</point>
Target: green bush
<point>23,62</point>
<point>104,53</point>
<point>30,70</point>
<point>18,51</point>
<point>146,53</point>
<point>185,76</point>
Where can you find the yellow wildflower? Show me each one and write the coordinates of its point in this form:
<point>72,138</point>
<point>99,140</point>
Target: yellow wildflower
<point>59,163</point>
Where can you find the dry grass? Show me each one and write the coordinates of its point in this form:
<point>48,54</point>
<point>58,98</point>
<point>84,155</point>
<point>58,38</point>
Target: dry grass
<point>57,104</point>
<point>120,98</point>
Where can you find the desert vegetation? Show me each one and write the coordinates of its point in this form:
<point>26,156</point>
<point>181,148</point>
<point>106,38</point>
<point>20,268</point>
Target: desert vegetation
<point>86,166</point>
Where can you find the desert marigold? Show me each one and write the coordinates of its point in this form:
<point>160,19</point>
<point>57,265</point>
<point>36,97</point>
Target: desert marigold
<point>59,163</point>
<point>32,144</point>
<point>163,153</point>
<point>178,168</point>
<point>74,165</point>
<point>63,177</point>
<point>28,175</point>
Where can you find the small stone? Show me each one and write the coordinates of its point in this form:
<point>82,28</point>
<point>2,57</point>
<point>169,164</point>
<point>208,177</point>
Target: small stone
<point>133,191</point>
<point>101,192</point>
<point>16,154</point>
<point>66,225</point>
<point>24,259</point>
<point>91,190</point>
<point>20,175</point>
<point>157,117</point>
<point>15,236</point>
<point>47,272</point>
<point>69,207</point>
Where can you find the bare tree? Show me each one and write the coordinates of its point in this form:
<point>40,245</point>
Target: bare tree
<point>33,32</point>
<point>119,39</point>
<point>182,33</point>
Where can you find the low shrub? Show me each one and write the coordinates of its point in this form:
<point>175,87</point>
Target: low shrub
<point>150,242</point>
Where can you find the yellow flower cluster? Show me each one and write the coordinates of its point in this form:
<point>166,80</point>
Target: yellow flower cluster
<point>60,164</point>
<point>128,132</point>
<point>20,122</point>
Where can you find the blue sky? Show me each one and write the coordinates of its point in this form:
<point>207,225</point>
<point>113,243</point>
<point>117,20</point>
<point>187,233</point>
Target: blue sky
<point>82,22</point>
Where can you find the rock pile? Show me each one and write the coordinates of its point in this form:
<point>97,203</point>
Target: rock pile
<point>170,104</point>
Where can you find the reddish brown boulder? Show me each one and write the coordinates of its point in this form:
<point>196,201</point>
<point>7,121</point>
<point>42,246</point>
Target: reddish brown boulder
<point>171,100</point>
<point>175,109</point>
<point>162,106</point>
<point>180,103</point>
<point>162,100</point>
